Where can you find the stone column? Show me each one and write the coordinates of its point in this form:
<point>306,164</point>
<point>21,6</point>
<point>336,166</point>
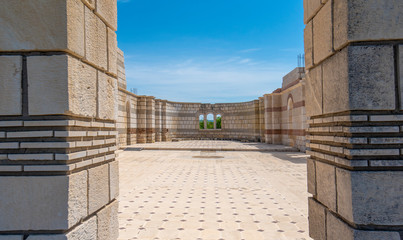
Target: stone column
<point>354,52</point>
<point>267,118</point>
<point>205,121</point>
<point>158,125</point>
<point>141,119</point>
<point>276,119</point>
<point>150,115</point>
<point>215,121</point>
<point>164,130</point>
<point>261,120</point>
<point>58,174</point>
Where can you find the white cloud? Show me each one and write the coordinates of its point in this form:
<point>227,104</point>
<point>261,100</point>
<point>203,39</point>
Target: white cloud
<point>250,50</point>
<point>205,80</point>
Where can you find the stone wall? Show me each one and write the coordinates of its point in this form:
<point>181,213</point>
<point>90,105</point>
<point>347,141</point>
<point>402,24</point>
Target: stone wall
<point>276,118</point>
<point>354,102</point>
<point>58,79</point>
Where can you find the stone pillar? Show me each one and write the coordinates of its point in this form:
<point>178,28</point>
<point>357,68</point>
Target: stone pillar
<point>158,125</point>
<point>141,119</point>
<point>276,137</point>
<point>267,118</point>
<point>215,121</point>
<point>205,121</point>
<point>354,52</point>
<point>261,120</point>
<point>58,174</point>
<point>150,115</point>
<point>164,129</point>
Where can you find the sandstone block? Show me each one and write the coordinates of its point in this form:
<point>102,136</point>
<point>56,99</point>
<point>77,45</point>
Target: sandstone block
<point>42,203</point>
<point>363,20</point>
<point>82,87</point>
<point>322,34</point>
<point>114,180</point>
<point>95,40</point>
<point>108,223</point>
<point>107,90</point>
<point>112,52</point>
<point>326,184</point>
<point>401,75</point>
<point>311,175</point>
<point>55,25</point>
<point>47,80</point>
<point>308,44</point>
<point>311,7</point>
<point>98,191</point>
<point>107,10</point>
<point>314,93</point>
<point>90,3</point>
<point>337,229</point>
<point>10,85</point>
<point>317,220</point>
<point>371,198</point>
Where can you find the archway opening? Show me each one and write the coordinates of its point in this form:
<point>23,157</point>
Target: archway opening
<point>210,121</point>
<point>218,121</point>
<point>201,121</point>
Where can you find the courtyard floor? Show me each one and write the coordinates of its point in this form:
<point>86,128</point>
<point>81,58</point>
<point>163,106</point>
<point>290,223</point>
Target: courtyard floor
<point>193,194</point>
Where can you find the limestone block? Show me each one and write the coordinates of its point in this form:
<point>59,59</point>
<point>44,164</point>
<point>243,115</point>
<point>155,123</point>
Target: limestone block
<point>95,40</point>
<point>107,89</point>
<point>10,85</point>
<point>311,7</point>
<point>98,191</point>
<point>108,223</point>
<point>308,44</point>
<point>311,173</point>
<point>114,179</point>
<point>401,75</point>
<point>47,80</point>
<point>112,52</point>
<point>314,94</point>
<point>322,34</point>
<point>326,184</point>
<point>337,229</point>
<point>42,203</point>
<point>42,25</point>
<point>363,20</point>
<point>317,220</point>
<point>107,10</point>
<point>11,237</point>
<point>370,197</point>
<point>82,87</point>
<point>371,78</point>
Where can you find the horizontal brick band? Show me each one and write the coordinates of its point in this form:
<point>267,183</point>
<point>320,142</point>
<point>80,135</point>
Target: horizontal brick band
<point>294,132</point>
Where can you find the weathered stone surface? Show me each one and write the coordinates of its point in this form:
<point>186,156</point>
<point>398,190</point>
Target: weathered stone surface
<point>317,220</point>
<point>314,94</point>
<point>114,179</point>
<point>370,197</point>
<point>311,7</point>
<point>41,27</point>
<point>10,85</point>
<point>11,237</point>
<point>42,203</point>
<point>401,75</point>
<point>326,184</point>
<point>308,44</point>
<point>47,80</point>
<point>108,223</point>
<point>337,229</point>
<point>311,174</point>
<point>112,52</point>
<point>82,86</point>
<point>362,20</point>
<point>90,3</point>
<point>85,231</point>
<point>98,188</point>
<point>107,89</point>
<point>371,78</point>
<point>322,34</point>
<point>335,83</point>
<point>95,40</point>
<point>107,10</point>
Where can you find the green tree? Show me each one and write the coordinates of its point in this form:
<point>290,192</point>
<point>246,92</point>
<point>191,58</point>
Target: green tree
<point>218,123</point>
<point>201,124</point>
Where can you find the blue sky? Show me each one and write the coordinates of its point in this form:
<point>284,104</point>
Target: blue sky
<point>209,51</point>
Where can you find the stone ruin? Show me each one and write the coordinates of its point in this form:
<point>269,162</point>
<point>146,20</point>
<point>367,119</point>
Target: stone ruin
<point>64,111</point>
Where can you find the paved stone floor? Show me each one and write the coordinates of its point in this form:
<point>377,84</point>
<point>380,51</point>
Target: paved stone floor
<point>212,195</point>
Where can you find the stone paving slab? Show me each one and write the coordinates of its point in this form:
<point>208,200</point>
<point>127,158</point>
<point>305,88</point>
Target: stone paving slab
<point>212,195</point>
<point>212,145</point>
